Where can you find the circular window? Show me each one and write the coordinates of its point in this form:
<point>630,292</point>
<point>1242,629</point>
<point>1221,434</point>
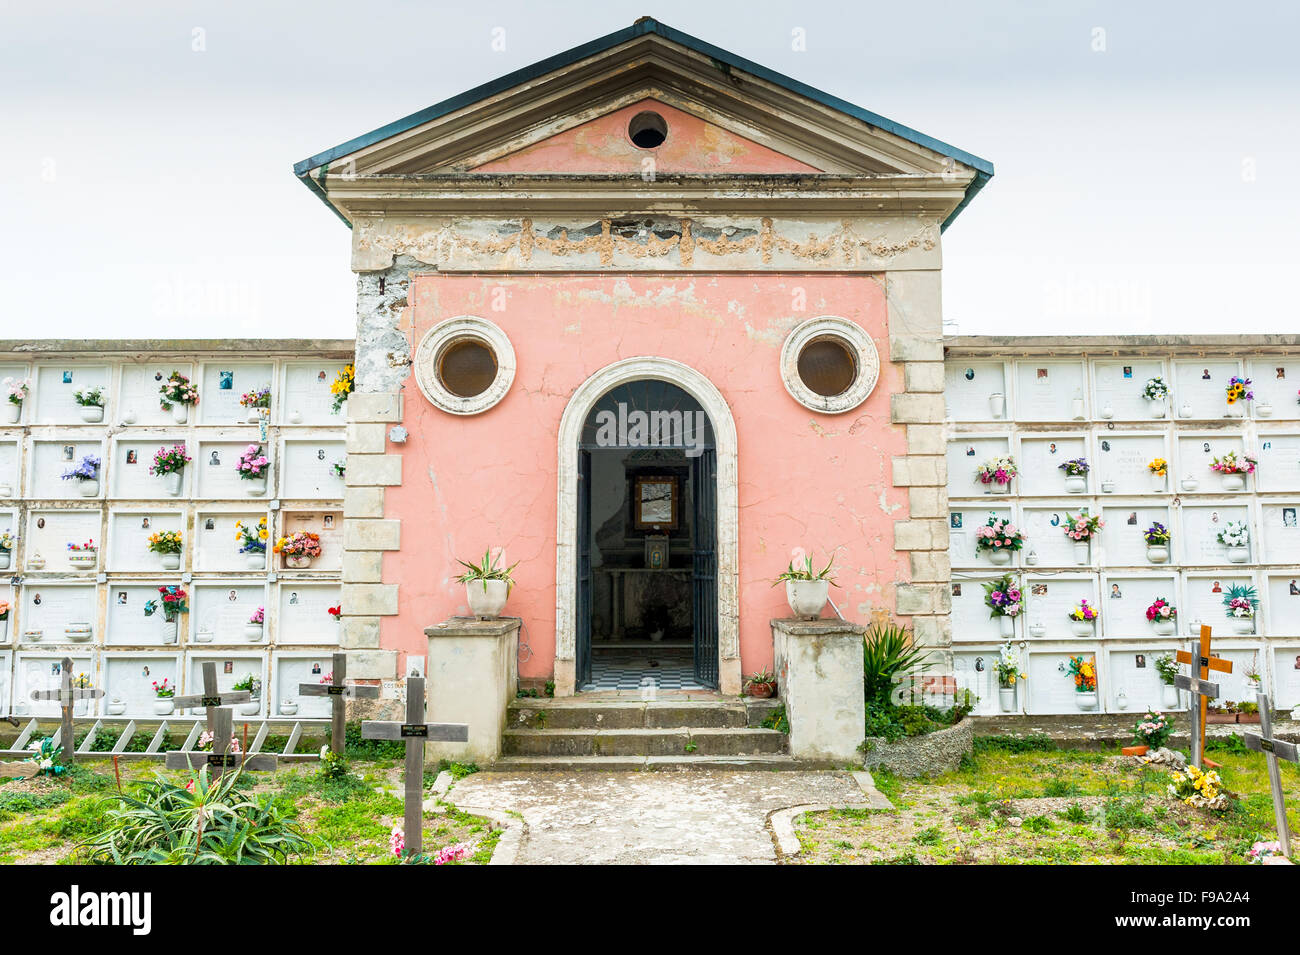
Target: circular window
<point>464,365</point>
<point>647,130</point>
<point>829,364</point>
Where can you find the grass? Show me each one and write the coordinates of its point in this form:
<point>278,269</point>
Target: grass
<point>1019,801</point>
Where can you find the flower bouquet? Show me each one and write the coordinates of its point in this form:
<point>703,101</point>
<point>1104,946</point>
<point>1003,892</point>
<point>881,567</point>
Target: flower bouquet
<point>1081,529</point>
<point>7,542</point>
<point>1076,475</point>
<point>1153,730</point>
<point>998,538</point>
<point>1241,601</point>
<point>169,464</point>
<point>253,465</point>
<point>1005,601</point>
<point>1156,392</point>
<point>258,403</point>
<point>1157,537</point>
<point>342,386</point>
<point>1163,617</point>
<point>252,543</point>
<point>16,392</point>
<point>164,697</point>
<point>1235,537</point>
<point>299,549</point>
<point>1159,469</point>
<point>996,474</point>
<point>1199,789</point>
<point>253,628</point>
<point>1083,670</point>
<point>1007,668</point>
<point>1167,669</point>
<point>254,686</point>
<point>1238,389</point>
<point>86,474</point>
<point>83,556</point>
<point>176,395</point>
<point>91,402</point>
<point>1234,469</point>
<point>168,545</point>
<point>47,757</point>
<point>1082,618</point>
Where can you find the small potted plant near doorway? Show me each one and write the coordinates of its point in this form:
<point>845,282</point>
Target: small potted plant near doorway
<point>86,474</point>
<point>176,395</point>
<point>761,685</point>
<point>998,539</point>
<point>487,584</point>
<point>1152,731</point>
<point>1005,601</point>
<point>1163,616</point>
<point>252,543</point>
<point>164,694</point>
<point>169,464</point>
<point>167,545</point>
<point>806,588</point>
<point>1008,672</point>
<point>91,403</point>
<point>253,466</point>
<point>1167,668</point>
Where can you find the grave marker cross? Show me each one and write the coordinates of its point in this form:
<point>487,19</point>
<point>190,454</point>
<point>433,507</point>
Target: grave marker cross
<point>1274,749</point>
<point>219,725</point>
<point>339,693</point>
<point>1202,691</point>
<point>67,695</point>
<point>1208,662</point>
<point>415,732</point>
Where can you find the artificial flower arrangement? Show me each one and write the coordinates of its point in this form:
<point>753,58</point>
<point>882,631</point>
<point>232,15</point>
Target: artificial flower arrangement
<point>342,386</point>
<point>299,544</point>
<point>1238,389</point>
<point>1155,389</point>
<point>258,618</point>
<point>335,612</point>
<point>1167,667</point>
<point>799,568</point>
<point>170,460</point>
<point>84,554</point>
<point>46,756</point>
<point>1153,729</point>
<point>1264,850</point>
<point>4,610</point>
<point>332,765</point>
<point>1083,613</point>
<point>206,738</point>
<point>340,469</point>
<point>1003,597</point>
<point>250,683</point>
<point>1161,610</point>
<point>173,600</point>
<point>166,542</point>
<point>16,391</point>
<point>163,690</point>
<point>177,390</point>
<point>1231,464</point>
<point>90,398</point>
<point>87,470</point>
<point>82,681</point>
<point>7,541</point>
<point>1083,670</point>
<point>1234,534</point>
<point>998,534</point>
<point>252,540</point>
<point>1157,535</point>
<point>1083,528</point>
<point>253,463</point>
<point>997,471</point>
<point>257,398</point>
<point>89,547</point>
<point>1158,467</point>
<point>1007,667</point>
<point>1199,789</point>
<point>1075,467</point>
<point>1241,601</point>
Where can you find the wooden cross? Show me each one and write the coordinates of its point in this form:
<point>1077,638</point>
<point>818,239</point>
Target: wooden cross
<point>339,693</point>
<point>1202,690</point>
<point>219,725</point>
<point>1274,749</point>
<point>67,695</point>
<point>1208,662</point>
<point>415,732</point>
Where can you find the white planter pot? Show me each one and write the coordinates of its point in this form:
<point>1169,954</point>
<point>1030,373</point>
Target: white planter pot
<point>88,488</point>
<point>1076,409</point>
<point>1234,482</point>
<point>1006,626</point>
<point>92,413</point>
<point>1037,629</point>
<point>82,634</point>
<point>1164,628</point>
<point>1031,558</point>
<point>999,557</point>
<point>180,413</point>
<point>115,707</point>
<point>5,559</point>
<point>1158,554</point>
<point>83,563</point>
<point>256,561</point>
<point>170,629</point>
<point>1238,555</point>
<point>1074,484</point>
<point>1185,411</point>
<point>170,561</point>
<point>302,562</point>
<point>996,488</point>
<point>203,636</point>
<point>12,412</point>
<point>80,707</point>
<point>1086,701</point>
<point>253,632</point>
<point>288,707</point>
<point>997,404</point>
<point>1158,483</point>
<point>1190,484</point>
<point>1107,413</point>
<point>1082,554</point>
<point>1243,625</point>
<point>1158,408</point>
<point>172,483</point>
<point>255,487</point>
<point>806,597</point>
<point>251,708</point>
<point>164,706</point>
<point>1264,410</point>
<point>1007,699</point>
<point>1107,487</point>
<point>1082,628</point>
<point>254,415</point>
<point>1169,697</point>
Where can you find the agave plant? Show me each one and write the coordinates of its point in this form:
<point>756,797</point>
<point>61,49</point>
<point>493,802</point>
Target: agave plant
<point>487,569</point>
<point>208,821</point>
<point>888,650</point>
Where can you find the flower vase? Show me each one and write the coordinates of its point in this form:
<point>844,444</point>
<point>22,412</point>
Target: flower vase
<point>172,483</point>
<point>1238,555</point>
<point>302,562</point>
<point>92,414</point>
<point>253,632</point>
<point>999,556</point>
<point>115,707</point>
<point>180,413</point>
<point>80,707</point>
<point>1185,410</point>
<point>256,560</point>
<point>5,559</point>
<point>1163,628</point>
<point>1157,483</point>
<point>164,706</point>
<point>254,415</point>
<point>170,561</point>
<point>1032,557</point>
<point>806,597</point>
<point>1076,409</point>
<point>1037,629</point>
<point>996,488</point>
<point>203,636</point>
<point>1006,626</point>
<point>1243,625</point>
<point>997,404</point>
<point>1082,628</point>
<point>1086,700</point>
<point>83,561</point>
<point>251,708</point>
<point>1107,412</point>
<point>1263,410</point>
<point>288,707</point>
<point>12,412</point>
<point>1075,484</point>
<point>1082,554</point>
<point>255,487</point>
<point>170,629</point>
<point>1158,408</point>
<point>1234,482</point>
<point>1190,484</point>
<point>1158,553</point>
<point>1107,487</point>
<point>1169,697</point>
<point>88,488</point>
<point>1007,699</point>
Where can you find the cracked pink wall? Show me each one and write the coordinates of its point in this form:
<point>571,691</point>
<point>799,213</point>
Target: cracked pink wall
<point>819,481</point>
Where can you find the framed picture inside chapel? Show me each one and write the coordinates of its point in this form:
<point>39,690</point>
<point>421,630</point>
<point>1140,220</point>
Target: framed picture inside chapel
<point>655,503</point>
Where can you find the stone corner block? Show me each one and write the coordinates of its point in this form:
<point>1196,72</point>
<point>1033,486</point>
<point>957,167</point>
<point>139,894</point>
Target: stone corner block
<point>374,469</point>
<point>375,600</point>
<point>367,437</point>
<point>364,534</point>
<point>364,407</point>
<point>359,633</point>
<point>916,409</point>
<point>363,502</point>
<point>372,664</point>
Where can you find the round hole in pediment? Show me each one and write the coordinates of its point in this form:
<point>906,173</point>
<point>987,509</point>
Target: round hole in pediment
<point>467,367</point>
<point>647,130</point>
<point>827,366</point>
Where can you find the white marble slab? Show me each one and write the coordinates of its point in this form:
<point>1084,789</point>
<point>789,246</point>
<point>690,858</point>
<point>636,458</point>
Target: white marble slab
<point>965,455</point>
<point>1118,386</point>
<point>127,623</point>
<point>1280,531</point>
<point>306,396</point>
<point>1203,384</point>
<point>975,670</point>
<point>216,464</point>
<point>970,614</point>
<point>1126,599</point>
<point>1046,390</point>
<point>55,387</point>
<point>1203,601</point>
<point>304,616</point>
<point>1279,462</point>
<point>1196,453</point>
<point>51,459</point>
<point>307,472</point>
<point>1133,670</point>
<point>1045,535</point>
<point>963,522</point>
<point>1276,382</point>
<point>140,401</point>
<point>130,677</point>
<point>222,385</point>
<point>44,671</point>
<point>9,476</point>
<point>222,609</point>
<point>293,669</point>
<point>1041,459</point>
<point>1050,690</point>
<point>131,458</point>
<point>217,546</point>
<point>1201,524</point>
<point>1281,611</point>
<point>1124,459</point>
<point>1049,600</point>
<point>328,524</point>
<point>128,539</point>
<point>1286,675</point>
<point>50,532</point>
<point>232,667</point>
<point>1124,524</point>
<point>968,387</point>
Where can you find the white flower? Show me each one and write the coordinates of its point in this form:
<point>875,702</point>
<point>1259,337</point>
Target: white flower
<point>323,751</point>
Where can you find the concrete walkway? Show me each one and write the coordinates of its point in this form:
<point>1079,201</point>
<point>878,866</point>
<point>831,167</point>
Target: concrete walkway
<point>655,818</point>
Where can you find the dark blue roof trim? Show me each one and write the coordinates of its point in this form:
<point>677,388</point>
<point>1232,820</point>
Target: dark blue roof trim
<point>723,58</point>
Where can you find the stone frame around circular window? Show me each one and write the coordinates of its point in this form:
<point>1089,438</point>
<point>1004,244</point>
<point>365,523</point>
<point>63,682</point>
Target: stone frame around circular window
<point>447,333</point>
<point>852,337</point>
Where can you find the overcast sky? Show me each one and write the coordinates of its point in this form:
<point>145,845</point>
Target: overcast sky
<point>1144,151</point>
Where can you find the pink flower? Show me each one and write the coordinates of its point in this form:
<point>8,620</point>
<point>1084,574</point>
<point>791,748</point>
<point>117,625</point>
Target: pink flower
<point>397,842</point>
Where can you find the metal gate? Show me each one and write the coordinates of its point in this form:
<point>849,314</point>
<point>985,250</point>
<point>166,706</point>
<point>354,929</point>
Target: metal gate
<point>704,573</point>
<point>582,651</point>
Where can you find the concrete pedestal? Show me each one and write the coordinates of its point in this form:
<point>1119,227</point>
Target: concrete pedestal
<point>819,675</point>
<point>473,674</point>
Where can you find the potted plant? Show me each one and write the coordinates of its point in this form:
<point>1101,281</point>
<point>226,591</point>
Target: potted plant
<point>1167,668</point>
<point>83,556</point>
<point>299,549</point>
<point>1005,601</point>
<point>115,706</point>
<point>1008,671</point>
<point>172,598</point>
<point>1238,391</point>
<point>176,395</point>
<point>91,403</point>
<point>167,545</point>
<point>1159,469</point>
<point>761,685</point>
<point>344,383</point>
<point>806,588</point>
<point>1076,475</point>
<point>16,392</point>
<point>998,539</point>
<point>169,464</point>
<point>1241,601</point>
<point>253,466</point>
<point>1083,619</point>
<point>288,706</point>
<point>1163,616</point>
<point>1235,537</point>
<point>252,543</point>
<point>258,403</point>
<point>1156,392</point>
<point>1152,731</point>
<point>4,612</point>
<point>1083,670</point>
<point>1234,470</point>
<point>1082,529</point>
<point>254,686</point>
<point>1158,539</point>
<point>996,474</point>
<point>487,584</point>
<point>164,694</point>
<point>253,628</point>
<point>7,542</point>
<point>86,474</point>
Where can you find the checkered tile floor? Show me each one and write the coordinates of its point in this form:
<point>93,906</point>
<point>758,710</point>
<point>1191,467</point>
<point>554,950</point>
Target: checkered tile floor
<point>669,669</point>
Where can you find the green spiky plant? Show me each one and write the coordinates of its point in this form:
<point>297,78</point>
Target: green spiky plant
<point>487,569</point>
<point>888,650</point>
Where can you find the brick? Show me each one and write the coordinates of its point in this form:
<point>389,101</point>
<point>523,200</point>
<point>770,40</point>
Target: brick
<point>370,599</point>
<point>372,407</point>
<point>926,439</point>
<point>366,438</point>
<point>374,469</point>
<point>931,566</point>
<point>359,633</point>
<point>363,567</point>
<point>362,534</point>
<point>363,502</point>
<point>920,471</point>
<point>923,376</point>
<point>372,665</point>
<point>918,409</point>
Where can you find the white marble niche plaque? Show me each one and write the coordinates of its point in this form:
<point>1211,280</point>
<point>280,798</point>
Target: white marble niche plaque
<point>962,524</point>
<point>1118,387</point>
<point>40,671</point>
<point>292,670</point>
<point>329,525</point>
<point>128,538</point>
<point>308,469</point>
<point>141,401</point>
<point>966,454</point>
<point>232,668</point>
<point>1125,600</point>
<point>52,459</point>
<point>304,614</point>
<point>1050,391</point>
<point>1201,526</point>
<point>217,540</point>
<point>220,611</point>
<point>224,383</point>
<point>1123,459</point>
<point>1203,386</point>
<point>130,679</point>
<point>56,386</point>
<point>307,398</point>
<point>970,388</point>
<point>50,532</point>
<point>132,457</point>
<point>218,472</point>
<point>1041,459</point>
<point>127,623</point>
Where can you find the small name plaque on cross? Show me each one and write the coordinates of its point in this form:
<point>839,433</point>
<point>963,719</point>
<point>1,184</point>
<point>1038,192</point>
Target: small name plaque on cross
<point>221,759</point>
<point>339,692</point>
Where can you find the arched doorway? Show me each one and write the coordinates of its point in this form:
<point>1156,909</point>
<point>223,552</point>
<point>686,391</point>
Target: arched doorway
<point>646,555</point>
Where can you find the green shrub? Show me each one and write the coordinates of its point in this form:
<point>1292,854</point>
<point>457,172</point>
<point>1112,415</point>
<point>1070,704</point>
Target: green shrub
<point>354,747</point>
<point>888,651</point>
<point>1032,743</point>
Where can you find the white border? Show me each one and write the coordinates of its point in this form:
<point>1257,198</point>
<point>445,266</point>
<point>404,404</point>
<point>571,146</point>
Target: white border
<point>857,340</point>
<point>437,338</point>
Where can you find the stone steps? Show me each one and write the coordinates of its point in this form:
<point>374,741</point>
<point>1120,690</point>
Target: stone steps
<point>629,764</point>
<point>677,741</point>
<point>583,713</point>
